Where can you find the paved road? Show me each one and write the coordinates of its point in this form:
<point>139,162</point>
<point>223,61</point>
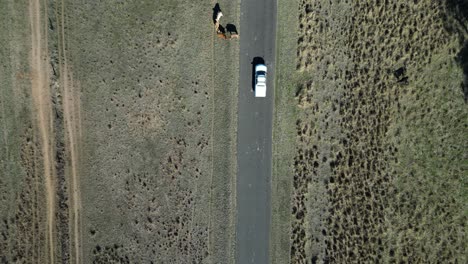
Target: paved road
<point>257,39</point>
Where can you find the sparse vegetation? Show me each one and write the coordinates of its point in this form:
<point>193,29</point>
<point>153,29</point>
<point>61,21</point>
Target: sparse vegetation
<point>142,132</point>
<point>117,132</point>
<point>378,173</point>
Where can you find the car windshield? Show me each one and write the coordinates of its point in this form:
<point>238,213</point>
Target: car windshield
<point>260,73</point>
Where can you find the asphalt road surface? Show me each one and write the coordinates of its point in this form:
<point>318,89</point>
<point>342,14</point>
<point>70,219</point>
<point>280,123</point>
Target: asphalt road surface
<point>257,39</point>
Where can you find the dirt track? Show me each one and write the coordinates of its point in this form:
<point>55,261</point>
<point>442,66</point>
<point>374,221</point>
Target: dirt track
<point>69,106</point>
<point>71,113</point>
<point>41,98</point>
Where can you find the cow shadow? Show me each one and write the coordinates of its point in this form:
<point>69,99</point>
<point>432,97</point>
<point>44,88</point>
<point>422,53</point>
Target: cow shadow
<point>231,28</point>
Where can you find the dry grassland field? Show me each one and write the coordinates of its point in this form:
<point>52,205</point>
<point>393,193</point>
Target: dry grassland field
<point>117,132</point>
<point>370,159</point>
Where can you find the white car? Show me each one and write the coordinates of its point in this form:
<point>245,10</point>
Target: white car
<point>260,80</point>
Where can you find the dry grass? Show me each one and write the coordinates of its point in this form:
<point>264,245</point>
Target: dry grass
<point>379,164</point>
<point>22,198</point>
<point>283,133</point>
<point>152,82</point>
<point>156,105</point>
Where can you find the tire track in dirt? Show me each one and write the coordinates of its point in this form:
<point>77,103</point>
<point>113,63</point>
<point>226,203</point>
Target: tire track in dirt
<point>71,110</point>
<point>72,128</point>
<point>72,131</point>
<point>43,111</point>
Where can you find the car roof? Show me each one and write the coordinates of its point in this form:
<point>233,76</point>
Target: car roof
<point>261,67</point>
<point>260,90</point>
